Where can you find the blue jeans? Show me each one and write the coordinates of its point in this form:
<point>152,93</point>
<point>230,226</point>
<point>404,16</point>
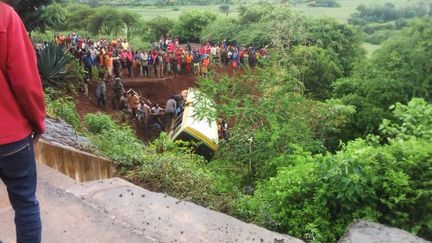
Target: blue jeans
<point>18,172</point>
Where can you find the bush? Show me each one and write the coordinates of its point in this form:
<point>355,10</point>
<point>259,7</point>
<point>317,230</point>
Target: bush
<point>52,61</point>
<point>316,197</point>
<point>62,107</point>
<point>325,4</point>
<point>98,122</point>
<point>59,69</point>
<point>380,36</point>
<point>166,165</point>
<point>117,142</point>
<point>155,28</point>
<point>190,24</point>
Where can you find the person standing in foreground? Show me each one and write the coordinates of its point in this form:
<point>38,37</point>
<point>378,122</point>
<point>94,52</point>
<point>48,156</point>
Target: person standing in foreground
<point>22,111</point>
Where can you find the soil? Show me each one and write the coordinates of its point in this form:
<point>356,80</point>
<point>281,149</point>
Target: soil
<point>156,90</point>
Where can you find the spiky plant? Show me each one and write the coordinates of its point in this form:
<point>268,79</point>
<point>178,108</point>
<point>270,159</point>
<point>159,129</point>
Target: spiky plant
<point>52,64</point>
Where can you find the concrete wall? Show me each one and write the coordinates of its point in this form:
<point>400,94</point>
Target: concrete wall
<point>76,164</point>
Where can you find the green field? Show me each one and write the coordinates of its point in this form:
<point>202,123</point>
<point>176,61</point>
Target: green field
<point>347,8</point>
<point>342,14</point>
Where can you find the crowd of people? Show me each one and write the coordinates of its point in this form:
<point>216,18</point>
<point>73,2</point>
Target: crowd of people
<point>116,58</point>
<point>139,109</point>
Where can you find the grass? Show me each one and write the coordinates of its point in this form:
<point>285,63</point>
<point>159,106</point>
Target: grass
<point>342,14</point>
<point>347,8</point>
<point>150,12</point>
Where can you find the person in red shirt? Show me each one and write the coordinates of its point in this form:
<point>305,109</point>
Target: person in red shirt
<point>22,112</point>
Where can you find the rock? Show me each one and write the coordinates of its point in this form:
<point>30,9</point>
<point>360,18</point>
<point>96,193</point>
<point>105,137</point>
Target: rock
<point>58,131</point>
<point>362,231</point>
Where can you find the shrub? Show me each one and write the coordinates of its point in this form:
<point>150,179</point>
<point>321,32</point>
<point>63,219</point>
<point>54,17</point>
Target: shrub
<point>190,24</point>
<point>316,197</point>
<point>57,68</point>
<point>98,122</point>
<point>63,107</point>
<point>115,141</point>
<point>380,36</point>
<point>52,62</point>
<point>166,165</point>
<point>325,4</point>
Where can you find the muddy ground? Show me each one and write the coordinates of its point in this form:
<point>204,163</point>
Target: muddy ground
<point>156,90</point>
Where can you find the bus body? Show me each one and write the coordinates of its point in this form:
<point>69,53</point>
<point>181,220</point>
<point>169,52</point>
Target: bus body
<point>203,133</point>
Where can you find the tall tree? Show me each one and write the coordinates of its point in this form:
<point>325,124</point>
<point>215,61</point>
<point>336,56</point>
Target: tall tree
<point>30,12</point>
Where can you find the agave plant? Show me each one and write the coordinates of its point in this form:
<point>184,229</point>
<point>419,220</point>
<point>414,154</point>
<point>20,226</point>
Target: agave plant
<point>52,63</point>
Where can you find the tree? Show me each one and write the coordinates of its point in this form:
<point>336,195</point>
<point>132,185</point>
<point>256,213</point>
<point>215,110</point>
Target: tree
<point>79,17</point>
<point>53,16</point>
<point>130,21</point>
<point>317,70</point>
<point>190,24</point>
<point>221,29</point>
<point>397,72</point>
<point>105,21</point>
<point>315,197</point>
<point>30,12</point>
<point>157,27</point>
<point>340,40</point>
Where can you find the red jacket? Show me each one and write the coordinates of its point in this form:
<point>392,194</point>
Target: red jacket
<point>22,107</point>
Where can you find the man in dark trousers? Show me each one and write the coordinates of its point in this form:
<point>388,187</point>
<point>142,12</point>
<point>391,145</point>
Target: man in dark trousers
<point>22,113</point>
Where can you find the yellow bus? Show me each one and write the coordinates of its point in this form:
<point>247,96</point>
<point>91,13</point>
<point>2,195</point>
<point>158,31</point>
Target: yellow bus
<point>203,132</point>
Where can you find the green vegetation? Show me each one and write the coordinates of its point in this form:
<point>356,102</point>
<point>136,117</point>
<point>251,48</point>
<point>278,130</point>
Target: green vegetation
<point>190,24</point>
<point>61,107</point>
<point>321,133</point>
<point>59,69</point>
<point>316,197</point>
<point>165,165</point>
<point>394,73</point>
<point>325,4</point>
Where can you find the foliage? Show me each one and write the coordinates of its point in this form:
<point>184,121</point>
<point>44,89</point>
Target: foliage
<point>30,12</point>
<point>74,77</point>
<point>316,197</point>
<point>395,73</point>
<point>413,120</point>
<point>325,4</point>
<point>270,113</point>
<point>380,36</point>
<point>341,41</point>
<point>387,12</point>
<point>317,70</point>
<point>166,165</point>
<point>77,18</point>
<point>220,29</point>
<point>130,21</point>
<point>63,107</point>
<point>53,16</point>
<point>111,138</point>
<point>190,24</point>
<point>57,68</point>
<point>103,20</point>
<point>254,13</point>
<point>157,27</point>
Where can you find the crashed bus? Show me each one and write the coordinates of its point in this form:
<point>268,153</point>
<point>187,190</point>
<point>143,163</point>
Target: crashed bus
<point>201,132</point>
